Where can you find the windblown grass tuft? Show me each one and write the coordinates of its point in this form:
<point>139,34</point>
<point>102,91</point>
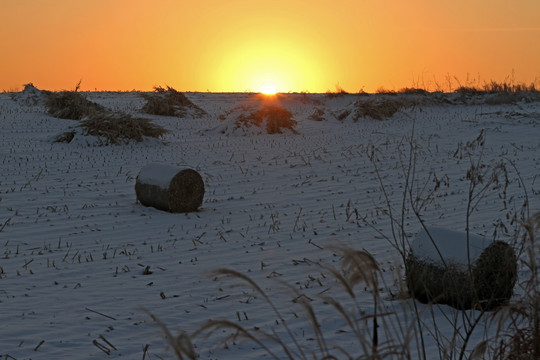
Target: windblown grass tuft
<point>71,105</point>
<point>117,128</point>
<point>337,93</point>
<point>379,109</point>
<point>273,118</point>
<point>96,120</point>
<point>169,102</point>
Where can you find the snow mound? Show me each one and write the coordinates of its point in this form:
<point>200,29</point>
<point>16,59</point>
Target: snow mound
<point>30,96</point>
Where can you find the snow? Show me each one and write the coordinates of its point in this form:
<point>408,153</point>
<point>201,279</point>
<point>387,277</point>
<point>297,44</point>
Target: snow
<point>80,259</point>
<point>451,245</point>
<point>158,174</point>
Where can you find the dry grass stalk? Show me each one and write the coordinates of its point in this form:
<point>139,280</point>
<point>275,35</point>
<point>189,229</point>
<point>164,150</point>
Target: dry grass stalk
<point>213,326</point>
<point>496,87</point>
<point>357,267</point>
<point>519,324</point>
<point>169,102</point>
<point>181,344</point>
<point>500,93</point>
<point>360,267</point>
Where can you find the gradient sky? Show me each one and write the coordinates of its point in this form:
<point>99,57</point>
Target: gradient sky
<point>291,45</point>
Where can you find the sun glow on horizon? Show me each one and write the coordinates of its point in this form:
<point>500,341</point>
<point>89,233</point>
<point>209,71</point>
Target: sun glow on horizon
<point>268,90</point>
<point>269,63</point>
<point>253,46</point>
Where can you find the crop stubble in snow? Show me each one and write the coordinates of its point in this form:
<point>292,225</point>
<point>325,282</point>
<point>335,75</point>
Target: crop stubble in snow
<point>79,257</point>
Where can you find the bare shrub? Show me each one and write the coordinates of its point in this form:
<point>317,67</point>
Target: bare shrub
<point>169,102</point>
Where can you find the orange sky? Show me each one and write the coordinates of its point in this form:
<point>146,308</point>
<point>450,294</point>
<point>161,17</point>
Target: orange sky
<point>291,45</point>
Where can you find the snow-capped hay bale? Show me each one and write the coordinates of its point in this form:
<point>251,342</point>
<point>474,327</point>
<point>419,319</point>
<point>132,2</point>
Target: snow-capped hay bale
<point>169,188</point>
<point>437,270</point>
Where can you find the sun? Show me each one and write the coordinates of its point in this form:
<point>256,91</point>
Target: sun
<point>268,90</point>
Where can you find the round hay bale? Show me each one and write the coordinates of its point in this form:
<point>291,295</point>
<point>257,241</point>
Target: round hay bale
<point>438,270</point>
<point>169,188</point>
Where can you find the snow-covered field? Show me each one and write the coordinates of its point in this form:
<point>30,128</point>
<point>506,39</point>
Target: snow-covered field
<point>80,259</point>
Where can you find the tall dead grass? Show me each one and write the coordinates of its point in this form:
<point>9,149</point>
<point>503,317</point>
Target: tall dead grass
<point>518,324</point>
<point>497,87</point>
<point>377,334</point>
